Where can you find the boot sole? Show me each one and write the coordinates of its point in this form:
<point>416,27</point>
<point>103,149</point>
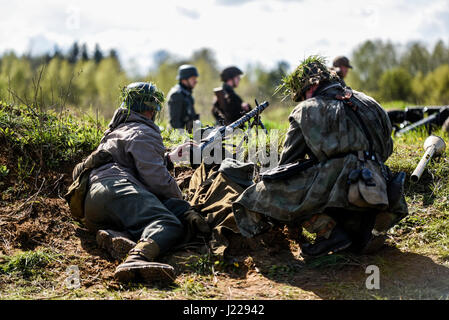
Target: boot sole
<point>117,247</point>
<point>150,272</point>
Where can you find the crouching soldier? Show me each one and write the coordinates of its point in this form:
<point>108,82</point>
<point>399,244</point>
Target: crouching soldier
<point>332,179</point>
<point>133,198</point>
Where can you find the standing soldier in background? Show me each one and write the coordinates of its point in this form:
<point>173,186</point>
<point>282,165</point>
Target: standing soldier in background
<point>228,106</point>
<point>180,99</point>
<point>341,66</point>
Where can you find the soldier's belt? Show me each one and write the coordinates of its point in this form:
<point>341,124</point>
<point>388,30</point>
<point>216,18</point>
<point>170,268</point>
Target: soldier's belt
<point>290,169</point>
<point>286,170</point>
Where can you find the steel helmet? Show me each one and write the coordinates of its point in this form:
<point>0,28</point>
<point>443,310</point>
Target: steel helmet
<point>186,71</point>
<point>142,96</point>
<point>229,73</point>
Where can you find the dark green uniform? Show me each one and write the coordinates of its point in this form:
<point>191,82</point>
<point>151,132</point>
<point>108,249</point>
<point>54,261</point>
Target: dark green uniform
<point>181,108</point>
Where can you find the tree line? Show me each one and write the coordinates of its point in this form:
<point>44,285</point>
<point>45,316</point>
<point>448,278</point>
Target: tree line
<point>411,73</point>
<point>77,79</point>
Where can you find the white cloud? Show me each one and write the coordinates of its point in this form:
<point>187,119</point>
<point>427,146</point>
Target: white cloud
<point>251,31</point>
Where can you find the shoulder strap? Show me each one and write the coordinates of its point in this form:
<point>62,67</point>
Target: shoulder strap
<point>349,100</point>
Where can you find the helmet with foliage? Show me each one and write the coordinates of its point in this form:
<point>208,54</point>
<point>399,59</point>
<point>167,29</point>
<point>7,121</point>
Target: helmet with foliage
<point>142,96</point>
<point>186,71</point>
<point>229,73</point>
<point>311,71</point>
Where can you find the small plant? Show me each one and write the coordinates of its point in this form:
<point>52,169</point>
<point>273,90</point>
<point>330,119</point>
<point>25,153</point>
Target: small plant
<point>3,171</point>
<point>28,263</point>
<point>201,264</point>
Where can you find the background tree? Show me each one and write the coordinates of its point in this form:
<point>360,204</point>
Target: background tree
<point>396,84</point>
<point>416,59</point>
<point>98,55</point>
<point>84,52</point>
<point>370,60</point>
<point>73,54</point>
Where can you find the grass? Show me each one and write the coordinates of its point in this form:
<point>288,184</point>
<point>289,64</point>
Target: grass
<point>27,264</point>
<point>426,227</point>
<point>24,275</point>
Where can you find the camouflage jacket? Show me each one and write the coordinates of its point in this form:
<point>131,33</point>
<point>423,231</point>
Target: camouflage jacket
<point>181,108</point>
<point>323,129</point>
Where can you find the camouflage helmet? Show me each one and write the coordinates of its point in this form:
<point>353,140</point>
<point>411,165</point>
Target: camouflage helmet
<point>311,71</point>
<point>229,73</point>
<point>186,71</point>
<point>142,96</point>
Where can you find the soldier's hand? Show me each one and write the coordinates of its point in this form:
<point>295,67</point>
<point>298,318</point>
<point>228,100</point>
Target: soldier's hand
<point>196,222</point>
<point>182,152</point>
<point>245,106</point>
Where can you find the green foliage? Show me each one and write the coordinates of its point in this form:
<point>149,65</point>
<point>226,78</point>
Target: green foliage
<point>395,84</point>
<point>154,98</point>
<point>437,85</point>
<point>3,171</point>
<point>202,265</point>
<point>309,72</point>
<point>46,138</point>
<point>28,263</point>
<point>388,72</point>
<point>426,227</point>
<point>370,60</point>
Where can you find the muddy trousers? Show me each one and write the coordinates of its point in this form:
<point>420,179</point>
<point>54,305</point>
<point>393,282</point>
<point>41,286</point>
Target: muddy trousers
<point>124,206</point>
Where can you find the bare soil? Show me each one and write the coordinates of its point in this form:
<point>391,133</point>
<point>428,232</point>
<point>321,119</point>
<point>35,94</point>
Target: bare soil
<point>265,267</point>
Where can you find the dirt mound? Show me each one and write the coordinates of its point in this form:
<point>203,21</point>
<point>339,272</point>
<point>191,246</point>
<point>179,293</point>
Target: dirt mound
<point>42,221</point>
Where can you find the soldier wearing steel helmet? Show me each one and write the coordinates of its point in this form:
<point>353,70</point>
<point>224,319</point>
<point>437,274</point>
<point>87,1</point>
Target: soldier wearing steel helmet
<point>180,100</point>
<point>341,66</point>
<point>332,179</point>
<point>132,202</point>
<point>228,106</point>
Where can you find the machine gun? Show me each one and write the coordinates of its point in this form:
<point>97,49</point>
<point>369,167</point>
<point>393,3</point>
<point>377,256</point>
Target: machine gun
<point>413,117</point>
<point>221,132</point>
<point>433,145</point>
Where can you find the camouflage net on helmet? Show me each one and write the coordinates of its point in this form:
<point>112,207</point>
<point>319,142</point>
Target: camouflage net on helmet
<point>311,71</point>
<point>153,98</point>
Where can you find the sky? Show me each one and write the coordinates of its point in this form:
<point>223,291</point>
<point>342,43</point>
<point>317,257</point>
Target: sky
<point>239,31</point>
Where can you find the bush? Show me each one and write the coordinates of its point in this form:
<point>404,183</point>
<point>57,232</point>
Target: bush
<point>395,84</point>
<point>46,139</point>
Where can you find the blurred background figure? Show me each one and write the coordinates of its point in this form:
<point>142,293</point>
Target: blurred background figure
<point>341,65</point>
<point>228,106</point>
<point>180,100</point>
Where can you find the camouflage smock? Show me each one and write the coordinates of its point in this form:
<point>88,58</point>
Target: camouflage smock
<point>323,128</point>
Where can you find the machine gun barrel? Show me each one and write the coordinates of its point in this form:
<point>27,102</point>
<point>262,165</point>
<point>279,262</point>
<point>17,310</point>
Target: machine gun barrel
<point>223,130</point>
<point>433,145</point>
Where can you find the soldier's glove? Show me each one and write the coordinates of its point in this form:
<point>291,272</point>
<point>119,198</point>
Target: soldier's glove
<point>196,222</point>
<point>182,152</point>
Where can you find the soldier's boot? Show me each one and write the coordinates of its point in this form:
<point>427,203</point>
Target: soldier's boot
<point>140,265</point>
<point>373,237</point>
<point>337,241</point>
<point>116,243</point>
